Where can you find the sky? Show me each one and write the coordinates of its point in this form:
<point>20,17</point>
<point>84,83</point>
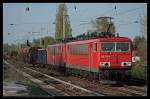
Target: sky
<point>41,16</point>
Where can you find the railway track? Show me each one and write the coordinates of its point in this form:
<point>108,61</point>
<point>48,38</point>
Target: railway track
<point>99,87</point>
<point>107,90</point>
<point>66,87</point>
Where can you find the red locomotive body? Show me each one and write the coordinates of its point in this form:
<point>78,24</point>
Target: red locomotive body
<point>115,53</point>
<point>92,55</point>
<point>103,53</point>
<point>80,55</point>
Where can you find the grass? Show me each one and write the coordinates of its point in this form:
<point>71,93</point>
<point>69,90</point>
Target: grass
<point>34,89</point>
<point>139,71</point>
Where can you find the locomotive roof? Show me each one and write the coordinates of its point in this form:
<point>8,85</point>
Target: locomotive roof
<point>117,39</point>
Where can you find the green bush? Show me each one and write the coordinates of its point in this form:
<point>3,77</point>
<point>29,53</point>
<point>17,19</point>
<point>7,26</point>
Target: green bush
<point>139,71</point>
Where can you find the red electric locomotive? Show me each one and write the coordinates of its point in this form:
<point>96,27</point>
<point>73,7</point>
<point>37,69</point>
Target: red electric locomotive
<point>108,58</point>
<point>103,58</point>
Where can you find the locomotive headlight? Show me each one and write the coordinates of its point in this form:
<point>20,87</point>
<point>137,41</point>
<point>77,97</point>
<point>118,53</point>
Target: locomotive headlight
<point>125,63</point>
<point>102,63</point>
<point>105,64</point>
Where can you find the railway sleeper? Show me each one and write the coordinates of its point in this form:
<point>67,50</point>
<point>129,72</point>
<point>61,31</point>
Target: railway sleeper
<point>82,73</point>
<point>112,75</point>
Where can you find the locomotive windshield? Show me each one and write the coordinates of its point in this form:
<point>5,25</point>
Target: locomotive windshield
<point>115,46</point>
<point>122,46</point>
<point>108,46</point>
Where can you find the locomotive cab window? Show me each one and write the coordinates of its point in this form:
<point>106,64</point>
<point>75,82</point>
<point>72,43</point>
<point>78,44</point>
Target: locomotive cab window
<point>106,46</point>
<point>122,46</point>
<point>115,46</point>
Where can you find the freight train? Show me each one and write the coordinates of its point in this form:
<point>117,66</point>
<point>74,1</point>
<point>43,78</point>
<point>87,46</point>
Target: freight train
<point>100,58</point>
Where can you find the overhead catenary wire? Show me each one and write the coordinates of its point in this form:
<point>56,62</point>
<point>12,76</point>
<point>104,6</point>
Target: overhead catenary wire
<point>120,13</point>
<point>124,12</point>
<point>129,10</point>
<point>30,23</point>
<point>128,23</point>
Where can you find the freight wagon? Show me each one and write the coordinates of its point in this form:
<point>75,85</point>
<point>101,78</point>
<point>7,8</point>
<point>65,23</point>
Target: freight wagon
<point>42,57</point>
<point>33,55</point>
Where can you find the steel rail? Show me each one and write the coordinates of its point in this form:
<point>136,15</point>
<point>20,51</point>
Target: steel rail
<point>61,81</point>
<point>67,83</point>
